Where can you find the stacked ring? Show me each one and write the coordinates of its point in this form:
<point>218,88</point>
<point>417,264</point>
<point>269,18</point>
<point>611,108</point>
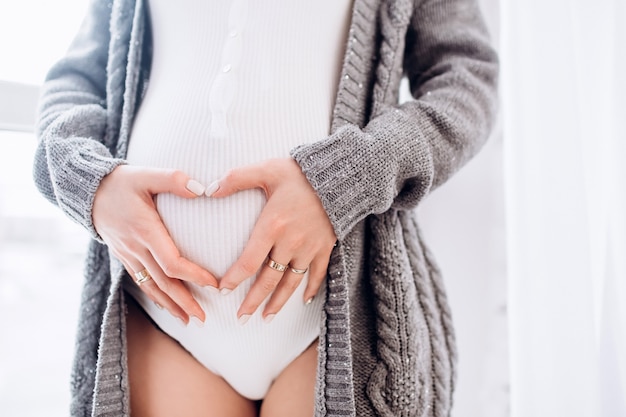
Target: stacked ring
<point>142,276</point>
<point>298,271</point>
<point>275,265</point>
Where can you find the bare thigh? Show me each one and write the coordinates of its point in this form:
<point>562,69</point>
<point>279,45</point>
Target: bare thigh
<point>293,393</point>
<point>165,380</point>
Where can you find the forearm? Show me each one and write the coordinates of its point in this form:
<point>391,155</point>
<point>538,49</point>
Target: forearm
<point>72,157</point>
<point>407,150</point>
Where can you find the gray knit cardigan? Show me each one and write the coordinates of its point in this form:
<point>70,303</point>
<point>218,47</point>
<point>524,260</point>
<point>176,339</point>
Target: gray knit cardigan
<point>386,346</point>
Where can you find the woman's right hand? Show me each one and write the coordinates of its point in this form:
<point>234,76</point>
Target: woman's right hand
<point>125,217</point>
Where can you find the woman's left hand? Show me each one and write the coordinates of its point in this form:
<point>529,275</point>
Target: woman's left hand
<point>293,229</point>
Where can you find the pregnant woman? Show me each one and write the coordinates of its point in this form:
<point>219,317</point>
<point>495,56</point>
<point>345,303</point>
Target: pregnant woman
<point>249,180</point>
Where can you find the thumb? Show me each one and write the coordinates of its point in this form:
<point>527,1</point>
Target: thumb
<point>238,179</point>
<point>158,181</point>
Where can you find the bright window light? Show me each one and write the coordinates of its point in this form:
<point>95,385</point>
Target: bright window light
<point>41,251</point>
<point>34,34</point>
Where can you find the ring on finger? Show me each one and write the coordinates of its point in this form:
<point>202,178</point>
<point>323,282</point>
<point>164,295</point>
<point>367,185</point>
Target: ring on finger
<point>142,276</point>
<point>276,265</point>
<point>297,270</point>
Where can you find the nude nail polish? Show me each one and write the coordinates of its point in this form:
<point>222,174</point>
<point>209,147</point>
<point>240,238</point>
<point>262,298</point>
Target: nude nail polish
<point>309,301</point>
<point>212,188</point>
<point>195,187</point>
<point>197,322</point>
<point>244,319</point>
<point>159,306</point>
<point>268,319</point>
<point>212,289</point>
<point>225,291</point>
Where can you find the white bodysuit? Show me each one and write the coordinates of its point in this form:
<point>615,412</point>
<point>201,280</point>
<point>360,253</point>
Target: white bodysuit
<point>235,82</point>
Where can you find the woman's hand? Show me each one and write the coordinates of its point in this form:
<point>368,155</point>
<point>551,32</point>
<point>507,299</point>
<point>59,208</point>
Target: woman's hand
<point>293,229</point>
<point>125,216</point>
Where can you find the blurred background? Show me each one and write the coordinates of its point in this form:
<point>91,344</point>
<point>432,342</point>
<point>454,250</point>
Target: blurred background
<point>41,251</point>
<point>530,235</point>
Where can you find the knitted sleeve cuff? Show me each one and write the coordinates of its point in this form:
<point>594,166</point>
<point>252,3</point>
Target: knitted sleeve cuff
<point>79,167</point>
<point>70,161</point>
<point>359,172</point>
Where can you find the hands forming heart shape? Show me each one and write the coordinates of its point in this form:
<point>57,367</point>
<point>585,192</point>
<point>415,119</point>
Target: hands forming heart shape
<point>292,235</point>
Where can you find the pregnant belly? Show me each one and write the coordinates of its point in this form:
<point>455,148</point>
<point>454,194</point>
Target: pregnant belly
<point>211,232</point>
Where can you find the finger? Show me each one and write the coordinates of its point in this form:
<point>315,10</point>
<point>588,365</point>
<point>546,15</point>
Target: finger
<point>317,273</point>
<point>251,259</point>
<point>266,282</point>
<point>158,181</point>
<point>157,296</point>
<point>162,300</point>
<point>174,288</point>
<point>286,287</point>
<point>238,179</point>
<point>170,261</point>
<point>168,292</point>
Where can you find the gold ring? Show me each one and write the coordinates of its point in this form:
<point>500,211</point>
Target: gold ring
<point>275,265</point>
<point>298,271</point>
<point>142,276</point>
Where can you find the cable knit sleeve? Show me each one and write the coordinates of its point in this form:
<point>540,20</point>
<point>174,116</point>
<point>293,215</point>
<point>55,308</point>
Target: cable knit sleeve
<point>72,158</point>
<point>404,151</point>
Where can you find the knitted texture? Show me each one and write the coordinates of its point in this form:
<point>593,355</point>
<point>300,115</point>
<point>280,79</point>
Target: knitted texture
<point>386,346</point>
<point>92,307</point>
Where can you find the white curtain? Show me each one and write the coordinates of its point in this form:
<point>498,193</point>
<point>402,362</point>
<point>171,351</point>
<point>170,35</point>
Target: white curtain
<point>564,108</point>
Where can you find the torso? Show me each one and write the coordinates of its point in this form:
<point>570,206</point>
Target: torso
<point>234,83</point>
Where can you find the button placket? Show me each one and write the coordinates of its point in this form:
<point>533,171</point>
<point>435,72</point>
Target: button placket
<point>225,84</point>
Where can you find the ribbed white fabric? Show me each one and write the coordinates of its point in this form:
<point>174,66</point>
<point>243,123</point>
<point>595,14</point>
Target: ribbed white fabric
<point>224,93</point>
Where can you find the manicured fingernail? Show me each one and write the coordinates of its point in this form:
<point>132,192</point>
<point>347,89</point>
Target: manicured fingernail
<point>159,306</point>
<point>225,291</point>
<point>212,289</point>
<point>268,319</point>
<point>182,321</point>
<point>195,187</point>
<point>244,319</point>
<point>212,188</point>
<point>309,301</point>
<point>195,320</point>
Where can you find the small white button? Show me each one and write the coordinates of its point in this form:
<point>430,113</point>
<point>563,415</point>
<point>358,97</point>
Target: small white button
<point>233,33</point>
<point>227,68</point>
